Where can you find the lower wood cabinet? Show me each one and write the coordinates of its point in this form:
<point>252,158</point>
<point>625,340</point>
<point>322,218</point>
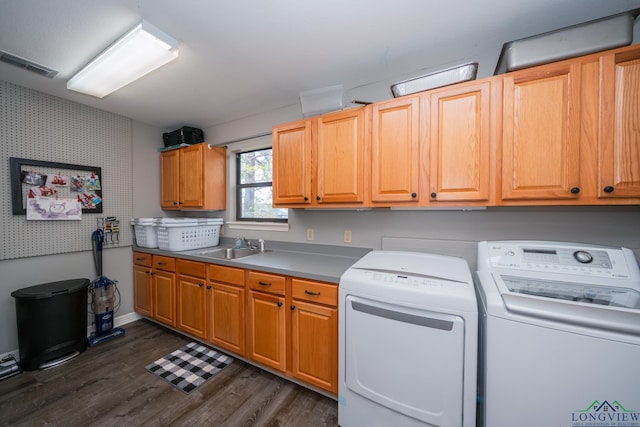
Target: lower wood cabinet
<point>192,302</point>
<point>314,333</point>
<point>267,343</point>
<point>154,287</point>
<point>284,323</point>
<point>226,305</point>
<point>142,284</point>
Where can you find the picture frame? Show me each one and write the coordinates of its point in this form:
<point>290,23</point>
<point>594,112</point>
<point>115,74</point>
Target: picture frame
<point>21,177</point>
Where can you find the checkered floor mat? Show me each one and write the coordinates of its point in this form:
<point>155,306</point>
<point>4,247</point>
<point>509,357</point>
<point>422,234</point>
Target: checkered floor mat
<point>190,366</point>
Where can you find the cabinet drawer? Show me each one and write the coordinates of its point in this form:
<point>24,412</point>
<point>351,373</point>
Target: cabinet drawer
<point>164,263</point>
<point>321,293</point>
<point>266,282</point>
<point>142,259</point>
<point>219,273</point>
<point>192,268</point>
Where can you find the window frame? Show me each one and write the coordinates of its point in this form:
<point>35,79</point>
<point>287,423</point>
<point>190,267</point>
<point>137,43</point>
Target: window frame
<point>239,187</point>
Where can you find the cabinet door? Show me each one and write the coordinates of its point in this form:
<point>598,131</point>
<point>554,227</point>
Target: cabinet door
<point>170,179</point>
<point>619,151</point>
<point>395,150</point>
<point>192,176</point>
<point>142,290</point>
<point>226,314</point>
<point>164,296</point>
<point>460,142</point>
<point>339,157</point>
<point>541,135</point>
<point>267,343</point>
<point>192,306</point>
<point>315,345</point>
<point>291,144</point>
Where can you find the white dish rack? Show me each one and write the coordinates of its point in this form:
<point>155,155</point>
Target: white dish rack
<point>178,234</point>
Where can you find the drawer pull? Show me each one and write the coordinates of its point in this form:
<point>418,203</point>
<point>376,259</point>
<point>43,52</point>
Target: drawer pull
<point>162,263</point>
<point>264,284</point>
<point>140,259</point>
<point>315,294</point>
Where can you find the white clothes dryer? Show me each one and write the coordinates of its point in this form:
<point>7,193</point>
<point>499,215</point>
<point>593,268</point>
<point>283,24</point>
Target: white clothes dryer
<point>560,335</point>
<point>407,342</point>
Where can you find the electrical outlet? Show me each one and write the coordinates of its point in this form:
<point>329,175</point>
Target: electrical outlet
<point>309,233</point>
<point>347,236</point>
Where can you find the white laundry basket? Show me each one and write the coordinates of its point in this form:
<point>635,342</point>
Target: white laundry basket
<point>145,232</point>
<point>182,234</point>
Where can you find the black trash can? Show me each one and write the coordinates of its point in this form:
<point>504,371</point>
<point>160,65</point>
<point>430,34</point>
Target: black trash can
<point>52,322</point>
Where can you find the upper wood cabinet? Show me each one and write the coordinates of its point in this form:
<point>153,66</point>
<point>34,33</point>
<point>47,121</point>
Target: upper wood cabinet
<point>339,157</point>
<point>395,150</point>
<point>193,178</point>
<point>170,179</point>
<point>619,145</point>
<point>541,133</point>
<point>291,144</point>
<point>564,133</point>
<point>320,160</point>
<point>456,154</point>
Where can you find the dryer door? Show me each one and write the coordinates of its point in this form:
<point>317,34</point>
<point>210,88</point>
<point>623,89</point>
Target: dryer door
<point>406,359</point>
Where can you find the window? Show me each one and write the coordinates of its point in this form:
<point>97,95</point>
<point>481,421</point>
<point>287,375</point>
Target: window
<point>254,193</point>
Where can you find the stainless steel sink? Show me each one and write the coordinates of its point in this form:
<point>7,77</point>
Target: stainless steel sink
<point>229,253</point>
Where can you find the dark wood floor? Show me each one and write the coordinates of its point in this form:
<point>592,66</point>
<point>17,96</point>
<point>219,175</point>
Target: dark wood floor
<point>107,385</point>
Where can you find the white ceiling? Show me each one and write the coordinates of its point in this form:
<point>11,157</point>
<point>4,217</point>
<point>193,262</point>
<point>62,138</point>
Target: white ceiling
<point>240,58</point>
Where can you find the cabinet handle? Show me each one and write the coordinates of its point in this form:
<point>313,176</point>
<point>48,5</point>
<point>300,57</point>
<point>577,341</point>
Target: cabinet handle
<point>162,263</point>
<point>279,303</point>
<point>315,294</point>
<point>264,284</point>
<point>293,307</point>
<point>608,189</point>
<point>575,190</point>
<point>318,198</point>
<point>147,272</point>
<point>306,199</point>
<point>200,284</point>
<point>414,195</point>
<point>175,203</point>
<point>433,195</point>
<point>139,259</point>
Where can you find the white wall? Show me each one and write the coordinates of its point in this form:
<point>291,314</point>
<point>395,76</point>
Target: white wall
<point>140,165</point>
<point>617,225</point>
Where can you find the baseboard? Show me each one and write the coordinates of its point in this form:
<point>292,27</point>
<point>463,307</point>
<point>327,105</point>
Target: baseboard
<point>127,318</point>
<point>13,353</point>
<point>118,321</point>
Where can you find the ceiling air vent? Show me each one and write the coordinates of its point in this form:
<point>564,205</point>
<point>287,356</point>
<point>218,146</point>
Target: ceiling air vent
<point>26,64</point>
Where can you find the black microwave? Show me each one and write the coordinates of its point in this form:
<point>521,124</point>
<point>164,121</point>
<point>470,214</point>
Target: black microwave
<point>184,135</point>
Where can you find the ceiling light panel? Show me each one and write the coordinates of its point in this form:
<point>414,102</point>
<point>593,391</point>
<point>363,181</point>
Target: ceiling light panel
<point>140,51</point>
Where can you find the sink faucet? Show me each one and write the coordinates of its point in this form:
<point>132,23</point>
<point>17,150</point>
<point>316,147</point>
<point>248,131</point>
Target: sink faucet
<point>249,244</point>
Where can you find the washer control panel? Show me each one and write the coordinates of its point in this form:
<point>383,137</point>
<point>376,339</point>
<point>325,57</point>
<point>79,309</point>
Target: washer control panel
<point>599,261</point>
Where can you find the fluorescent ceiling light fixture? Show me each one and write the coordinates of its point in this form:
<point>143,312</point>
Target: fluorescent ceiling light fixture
<point>143,49</point>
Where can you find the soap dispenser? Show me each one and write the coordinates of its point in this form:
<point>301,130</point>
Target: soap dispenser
<point>238,242</point>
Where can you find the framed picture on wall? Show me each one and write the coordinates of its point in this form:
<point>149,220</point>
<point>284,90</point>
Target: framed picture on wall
<point>37,178</point>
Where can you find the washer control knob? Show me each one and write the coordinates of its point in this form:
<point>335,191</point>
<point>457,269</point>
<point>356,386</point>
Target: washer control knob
<point>583,257</point>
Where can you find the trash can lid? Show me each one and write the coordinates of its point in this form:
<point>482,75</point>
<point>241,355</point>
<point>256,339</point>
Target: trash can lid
<point>48,290</point>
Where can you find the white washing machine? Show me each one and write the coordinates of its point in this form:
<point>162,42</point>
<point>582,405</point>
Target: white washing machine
<point>560,335</point>
<point>408,330</point>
